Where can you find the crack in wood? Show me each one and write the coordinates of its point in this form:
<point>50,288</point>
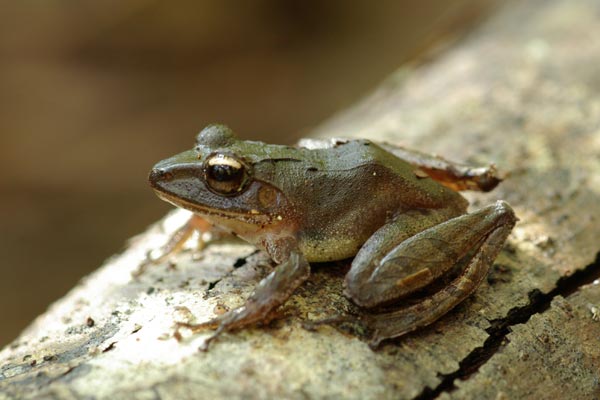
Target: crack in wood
<point>500,328</point>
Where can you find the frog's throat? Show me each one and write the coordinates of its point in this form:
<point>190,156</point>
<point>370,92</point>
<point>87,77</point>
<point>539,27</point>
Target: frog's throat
<point>252,216</point>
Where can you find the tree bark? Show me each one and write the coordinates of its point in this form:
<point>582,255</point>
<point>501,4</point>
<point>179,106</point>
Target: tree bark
<point>522,91</point>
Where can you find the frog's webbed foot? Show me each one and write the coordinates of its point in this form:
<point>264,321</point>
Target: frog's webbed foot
<point>470,241</point>
<point>450,174</point>
<point>269,294</point>
<point>175,243</point>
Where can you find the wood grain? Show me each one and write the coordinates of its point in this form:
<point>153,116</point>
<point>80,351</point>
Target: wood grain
<point>522,91</point>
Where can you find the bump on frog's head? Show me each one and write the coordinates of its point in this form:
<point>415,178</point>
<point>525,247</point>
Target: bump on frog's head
<point>215,136</point>
<point>224,173</point>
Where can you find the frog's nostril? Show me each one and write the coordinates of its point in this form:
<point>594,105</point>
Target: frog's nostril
<point>155,174</point>
<point>159,174</point>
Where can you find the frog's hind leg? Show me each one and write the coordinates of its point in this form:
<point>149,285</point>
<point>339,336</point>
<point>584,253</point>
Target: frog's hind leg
<point>450,174</point>
<point>471,241</point>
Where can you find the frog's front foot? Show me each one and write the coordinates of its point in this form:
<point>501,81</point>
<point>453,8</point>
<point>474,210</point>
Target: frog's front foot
<point>196,328</point>
<point>270,293</point>
<point>175,243</point>
<point>240,317</point>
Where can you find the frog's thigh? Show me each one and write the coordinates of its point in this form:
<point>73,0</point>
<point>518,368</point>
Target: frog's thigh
<point>500,219</point>
<point>370,269</point>
<point>418,260</point>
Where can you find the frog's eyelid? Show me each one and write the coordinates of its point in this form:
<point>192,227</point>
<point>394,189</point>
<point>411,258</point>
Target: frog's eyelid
<point>222,159</point>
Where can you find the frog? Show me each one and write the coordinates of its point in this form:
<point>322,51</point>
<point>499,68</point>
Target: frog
<point>397,213</point>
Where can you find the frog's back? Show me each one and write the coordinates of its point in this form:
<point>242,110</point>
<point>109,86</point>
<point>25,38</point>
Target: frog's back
<point>352,189</point>
<point>379,170</point>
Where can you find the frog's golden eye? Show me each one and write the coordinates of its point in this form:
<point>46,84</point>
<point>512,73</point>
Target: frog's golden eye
<point>225,174</point>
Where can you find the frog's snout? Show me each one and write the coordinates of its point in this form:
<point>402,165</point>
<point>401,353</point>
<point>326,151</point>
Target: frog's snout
<point>159,175</point>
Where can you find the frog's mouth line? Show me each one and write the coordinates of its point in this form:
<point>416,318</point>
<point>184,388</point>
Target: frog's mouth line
<point>254,218</point>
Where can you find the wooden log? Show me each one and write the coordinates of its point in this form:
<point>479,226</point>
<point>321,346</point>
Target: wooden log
<point>521,91</point>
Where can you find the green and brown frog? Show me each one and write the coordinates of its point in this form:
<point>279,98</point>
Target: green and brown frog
<point>396,211</point>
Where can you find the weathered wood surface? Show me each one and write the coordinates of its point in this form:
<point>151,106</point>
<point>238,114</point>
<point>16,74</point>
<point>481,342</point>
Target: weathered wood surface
<point>523,90</point>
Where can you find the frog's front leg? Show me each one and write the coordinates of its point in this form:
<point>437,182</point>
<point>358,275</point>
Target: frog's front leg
<point>269,294</point>
<point>175,243</point>
<point>472,240</point>
<point>178,239</point>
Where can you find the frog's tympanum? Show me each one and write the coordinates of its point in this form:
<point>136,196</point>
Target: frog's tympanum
<point>396,211</point>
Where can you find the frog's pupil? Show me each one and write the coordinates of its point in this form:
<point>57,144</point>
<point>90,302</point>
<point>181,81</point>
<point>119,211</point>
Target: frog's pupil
<point>224,173</point>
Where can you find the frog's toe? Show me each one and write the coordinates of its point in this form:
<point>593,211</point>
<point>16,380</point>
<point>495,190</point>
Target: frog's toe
<point>194,328</point>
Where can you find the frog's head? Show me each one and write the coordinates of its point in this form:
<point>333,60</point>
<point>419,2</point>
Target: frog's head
<point>217,180</point>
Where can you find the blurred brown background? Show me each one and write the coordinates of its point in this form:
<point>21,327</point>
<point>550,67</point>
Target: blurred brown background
<point>92,93</point>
